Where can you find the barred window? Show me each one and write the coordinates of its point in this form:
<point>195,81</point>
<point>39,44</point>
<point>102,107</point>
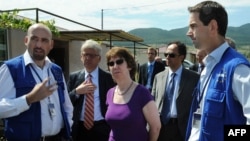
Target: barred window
<point>3,46</point>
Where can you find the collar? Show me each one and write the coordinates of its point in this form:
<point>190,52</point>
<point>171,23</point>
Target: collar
<point>151,63</point>
<point>201,65</point>
<point>28,60</point>
<point>94,73</point>
<point>215,55</point>
<point>178,71</point>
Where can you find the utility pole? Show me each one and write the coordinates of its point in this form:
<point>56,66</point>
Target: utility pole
<point>102,19</point>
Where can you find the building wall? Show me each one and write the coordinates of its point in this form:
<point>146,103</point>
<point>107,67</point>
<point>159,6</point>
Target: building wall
<point>75,56</point>
<point>103,63</point>
<point>15,43</point>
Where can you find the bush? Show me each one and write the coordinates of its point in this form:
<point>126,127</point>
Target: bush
<point>13,21</point>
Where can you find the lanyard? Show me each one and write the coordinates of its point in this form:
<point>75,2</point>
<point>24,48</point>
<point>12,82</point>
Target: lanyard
<point>51,106</point>
<point>41,78</point>
<point>200,94</point>
<point>39,75</point>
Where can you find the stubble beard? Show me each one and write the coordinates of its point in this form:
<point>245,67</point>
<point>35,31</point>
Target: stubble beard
<point>39,56</point>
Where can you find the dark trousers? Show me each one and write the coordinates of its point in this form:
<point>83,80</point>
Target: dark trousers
<point>58,137</point>
<point>53,138</point>
<point>170,131</point>
<point>99,132</point>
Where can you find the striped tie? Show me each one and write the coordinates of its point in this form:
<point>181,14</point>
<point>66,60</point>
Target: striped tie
<point>89,108</point>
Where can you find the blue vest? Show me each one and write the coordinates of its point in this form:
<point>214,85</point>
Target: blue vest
<point>27,125</point>
<point>220,107</point>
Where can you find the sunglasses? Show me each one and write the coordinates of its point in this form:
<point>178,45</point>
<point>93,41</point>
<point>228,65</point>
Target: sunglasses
<point>117,62</point>
<point>171,55</point>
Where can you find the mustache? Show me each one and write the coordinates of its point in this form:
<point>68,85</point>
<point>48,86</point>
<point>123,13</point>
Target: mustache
<point>38,49</point>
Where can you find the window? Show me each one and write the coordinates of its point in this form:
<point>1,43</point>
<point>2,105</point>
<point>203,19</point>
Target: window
<point>3,46</point>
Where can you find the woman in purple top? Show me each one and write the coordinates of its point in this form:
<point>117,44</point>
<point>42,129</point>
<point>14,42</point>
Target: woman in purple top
<point>130,106</point>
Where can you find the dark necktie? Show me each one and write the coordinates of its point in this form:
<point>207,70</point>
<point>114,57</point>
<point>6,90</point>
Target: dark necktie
<point>150,72</point>
<point>200,69</point>
<point>165,114</point>
<point>89,108</point>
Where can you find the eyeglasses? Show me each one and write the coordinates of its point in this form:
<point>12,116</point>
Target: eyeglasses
<point>85,55</point>
<point>117,62</point>
<point>171,55</point>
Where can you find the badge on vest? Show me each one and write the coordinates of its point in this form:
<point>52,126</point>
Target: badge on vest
<point>196,119</point>
<point>52,111</point>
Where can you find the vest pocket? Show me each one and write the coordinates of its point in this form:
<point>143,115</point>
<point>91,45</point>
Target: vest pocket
<point>214,109</point>
<point>214,105</point>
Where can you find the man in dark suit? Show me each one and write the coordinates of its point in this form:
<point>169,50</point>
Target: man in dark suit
<point>200,55</point>
<point>148,70</point>
<point>79,89</point>
<point>174,105</point>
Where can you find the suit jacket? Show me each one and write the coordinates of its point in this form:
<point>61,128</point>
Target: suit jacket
<point>143,72</point>
<point>188,82</point>
<point>195,67</point>
<point>76,78</point>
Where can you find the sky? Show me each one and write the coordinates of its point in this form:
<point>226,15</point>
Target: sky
<point>124,15</point>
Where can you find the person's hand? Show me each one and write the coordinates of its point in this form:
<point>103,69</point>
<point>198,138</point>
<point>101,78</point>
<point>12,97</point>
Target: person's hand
<point>85,88</point>
<point>41,91</point>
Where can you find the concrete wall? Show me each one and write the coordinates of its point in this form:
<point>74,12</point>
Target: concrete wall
<point>74,56</point>
<point>15,42</point>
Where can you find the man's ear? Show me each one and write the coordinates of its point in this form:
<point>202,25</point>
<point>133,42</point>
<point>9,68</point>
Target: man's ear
<point>52,44</point>
<point>213,26</point>
<point>25,40</point>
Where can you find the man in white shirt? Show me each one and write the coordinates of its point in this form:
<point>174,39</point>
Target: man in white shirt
<point>34,101</point>
<point>222,96</point>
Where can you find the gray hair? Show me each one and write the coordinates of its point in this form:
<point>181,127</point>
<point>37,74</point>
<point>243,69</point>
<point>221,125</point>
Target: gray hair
<point>91,44</point>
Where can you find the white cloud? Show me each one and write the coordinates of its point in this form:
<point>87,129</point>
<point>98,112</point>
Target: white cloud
<point>122,14</point>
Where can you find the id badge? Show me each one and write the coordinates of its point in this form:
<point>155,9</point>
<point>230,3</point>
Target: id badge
<point>52,111</point>
<point>196,119</point>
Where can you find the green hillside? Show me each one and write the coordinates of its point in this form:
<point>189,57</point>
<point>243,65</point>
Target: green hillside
<point>159,36</point>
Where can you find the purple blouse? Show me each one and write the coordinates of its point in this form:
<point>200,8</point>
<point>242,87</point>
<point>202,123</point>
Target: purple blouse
<point>127,121</point>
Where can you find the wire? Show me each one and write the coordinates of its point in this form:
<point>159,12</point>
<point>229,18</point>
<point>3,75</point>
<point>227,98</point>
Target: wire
<point>147,5</point>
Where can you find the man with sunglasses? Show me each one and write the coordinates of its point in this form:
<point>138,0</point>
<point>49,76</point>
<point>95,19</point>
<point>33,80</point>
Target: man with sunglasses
<point>147,71</point>
<point>81,87</point>
<point>172,90</point>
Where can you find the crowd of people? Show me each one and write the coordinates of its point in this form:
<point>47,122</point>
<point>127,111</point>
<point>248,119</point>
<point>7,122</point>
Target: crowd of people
<point>170,103</point>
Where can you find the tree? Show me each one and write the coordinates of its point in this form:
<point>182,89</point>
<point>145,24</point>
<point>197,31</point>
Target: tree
<point>11,20</point>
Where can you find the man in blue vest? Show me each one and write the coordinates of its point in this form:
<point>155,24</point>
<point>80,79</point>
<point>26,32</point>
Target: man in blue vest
<point>222,95</point>
<point>34,100</point>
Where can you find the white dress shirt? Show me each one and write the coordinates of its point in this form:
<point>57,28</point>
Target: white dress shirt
<point>240,85</point>
<point>11,106</point>
<point>97,111</point>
